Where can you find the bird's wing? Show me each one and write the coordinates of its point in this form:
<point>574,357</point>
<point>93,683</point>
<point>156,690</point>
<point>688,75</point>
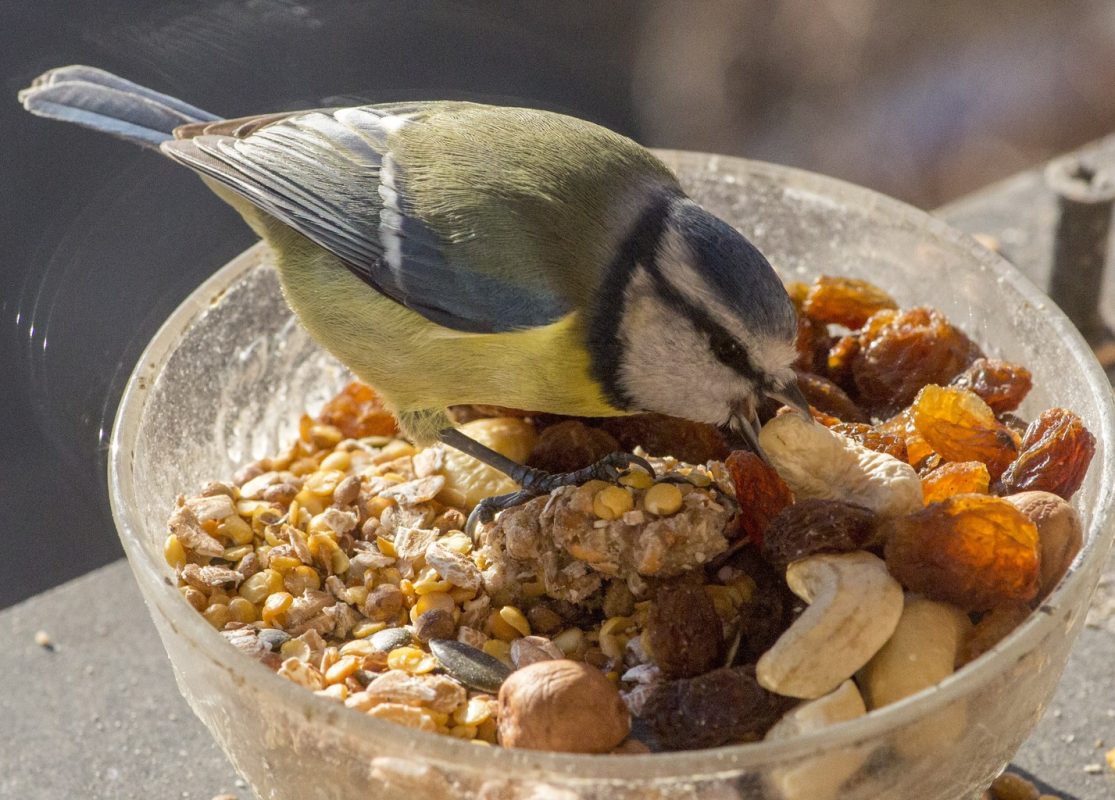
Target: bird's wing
<point>334,175</point>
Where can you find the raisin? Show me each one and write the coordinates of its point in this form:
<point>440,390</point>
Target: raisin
<point>812,344</point>
<point>660,435</point>
<point>570,445</point>
<point>683,631</point>
<point>915,348</point>
<point>726,705</point>
<point>961,427</point>
<point>972,550</point>
<point>760,493</point>
<point>827,397</point>
<point>957,477</point>
<point>873,439</point>
<point>1001,384</point>
<point>769,610</point>
<point>818,526</point>
<point>838,363</point>
<point>918,451</point>
<point>845,301</point>
<point>993,627</point>
<point>357,411</point>
<point>1054,455</point>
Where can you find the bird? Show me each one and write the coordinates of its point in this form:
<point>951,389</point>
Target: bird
<point>450,252</point>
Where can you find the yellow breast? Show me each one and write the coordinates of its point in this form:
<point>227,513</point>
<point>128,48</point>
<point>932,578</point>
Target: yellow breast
<point>417,364</point>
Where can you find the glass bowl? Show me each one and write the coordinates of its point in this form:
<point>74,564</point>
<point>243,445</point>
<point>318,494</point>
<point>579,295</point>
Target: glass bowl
<point>223,383</point>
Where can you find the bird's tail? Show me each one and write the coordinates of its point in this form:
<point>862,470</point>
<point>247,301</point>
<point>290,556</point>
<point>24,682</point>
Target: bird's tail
<point>104,102</point>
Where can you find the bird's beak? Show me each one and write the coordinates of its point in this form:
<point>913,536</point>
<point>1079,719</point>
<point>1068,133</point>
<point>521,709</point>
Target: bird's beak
<point>791,396</point>
<point>749,433</point>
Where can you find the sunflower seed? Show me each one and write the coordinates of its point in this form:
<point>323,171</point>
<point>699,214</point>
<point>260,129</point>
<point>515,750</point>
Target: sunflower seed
<point>470,666</point>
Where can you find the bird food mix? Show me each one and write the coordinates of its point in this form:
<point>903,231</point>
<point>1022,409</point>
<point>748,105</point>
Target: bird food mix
<point>724,599</point>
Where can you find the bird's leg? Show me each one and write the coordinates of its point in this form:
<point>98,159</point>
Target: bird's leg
<point>534,481</point>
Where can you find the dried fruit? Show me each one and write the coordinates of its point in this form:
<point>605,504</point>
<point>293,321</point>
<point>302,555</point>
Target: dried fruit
<point>561,705</point>
<point>914,348</point>
<point>818,526</point>
<point>826,396</point>
<point>957,477</point>
<point>918,451</point>
<point>357,412</point>
<point>1053,457</point>
<point>767,612</point>
<point>961,427</point>
<point>1001,384</point>
<point>972,550</point>
<point>660,435</point>
<point>873,438</point>
<point>845,301</point>
<point>570,445</point>
<point>760,493</point>
<point>812,344</point>
<point>721,706</point>
<point>683,631</point>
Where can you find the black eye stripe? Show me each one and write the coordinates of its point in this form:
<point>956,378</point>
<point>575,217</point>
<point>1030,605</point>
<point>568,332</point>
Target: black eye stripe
<point>718,335</point>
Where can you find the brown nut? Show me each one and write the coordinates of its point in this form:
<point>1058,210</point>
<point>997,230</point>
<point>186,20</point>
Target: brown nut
<point>566,706</point>
<point>1060,535</point>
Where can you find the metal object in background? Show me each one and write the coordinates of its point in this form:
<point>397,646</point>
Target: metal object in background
<point>1085,197</point>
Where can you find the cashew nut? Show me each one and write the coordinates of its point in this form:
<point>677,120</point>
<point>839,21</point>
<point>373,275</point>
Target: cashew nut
<point>921,652</point>
<point>817,463</point>
<point>854,607</point>
<point>1060,535</point>
<point>820,776</point>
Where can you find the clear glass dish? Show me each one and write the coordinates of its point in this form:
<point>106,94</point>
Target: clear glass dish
<point>223,383</point>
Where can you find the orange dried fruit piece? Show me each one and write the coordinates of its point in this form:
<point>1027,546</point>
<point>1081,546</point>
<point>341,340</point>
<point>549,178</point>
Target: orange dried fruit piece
<point>918,451</point>
<point>825,396</point>
<point>910,350</point>
<point>873,438</point>
<point>818,526</point>
<point>760,493</point>
<point>1053,457</point>
<point>812,344</point>
<point>975,551</point>
<point>845,301</point>
<point>1001,384</point>
<point>357,411</point>
<point>957,477</point>
<point>961,427</point>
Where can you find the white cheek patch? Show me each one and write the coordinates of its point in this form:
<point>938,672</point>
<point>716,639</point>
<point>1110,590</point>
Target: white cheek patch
<point>666,364</point>
<point>770,355</point>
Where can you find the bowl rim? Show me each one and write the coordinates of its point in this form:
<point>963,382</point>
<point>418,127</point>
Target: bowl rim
<point>689,764</point>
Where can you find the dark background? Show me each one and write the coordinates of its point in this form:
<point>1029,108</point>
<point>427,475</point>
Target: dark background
<point>99,241</point>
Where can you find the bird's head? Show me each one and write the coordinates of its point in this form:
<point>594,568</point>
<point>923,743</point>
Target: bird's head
<point>703,328</point>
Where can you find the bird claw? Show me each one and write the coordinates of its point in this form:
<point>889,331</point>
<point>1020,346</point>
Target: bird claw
<point>610,468</point>
<point>485,511</point>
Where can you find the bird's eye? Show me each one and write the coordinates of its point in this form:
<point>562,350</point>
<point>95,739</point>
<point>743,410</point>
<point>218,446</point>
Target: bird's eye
<point>726,348</point>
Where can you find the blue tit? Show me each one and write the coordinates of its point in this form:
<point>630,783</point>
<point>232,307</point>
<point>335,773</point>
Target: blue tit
<point>453,253</point>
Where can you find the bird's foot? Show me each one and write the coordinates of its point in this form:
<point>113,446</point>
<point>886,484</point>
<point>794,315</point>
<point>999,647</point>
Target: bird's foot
<point>535,482</point>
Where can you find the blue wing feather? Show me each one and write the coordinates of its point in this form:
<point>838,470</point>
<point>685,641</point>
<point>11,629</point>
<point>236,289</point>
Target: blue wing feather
<point>331,176</point>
